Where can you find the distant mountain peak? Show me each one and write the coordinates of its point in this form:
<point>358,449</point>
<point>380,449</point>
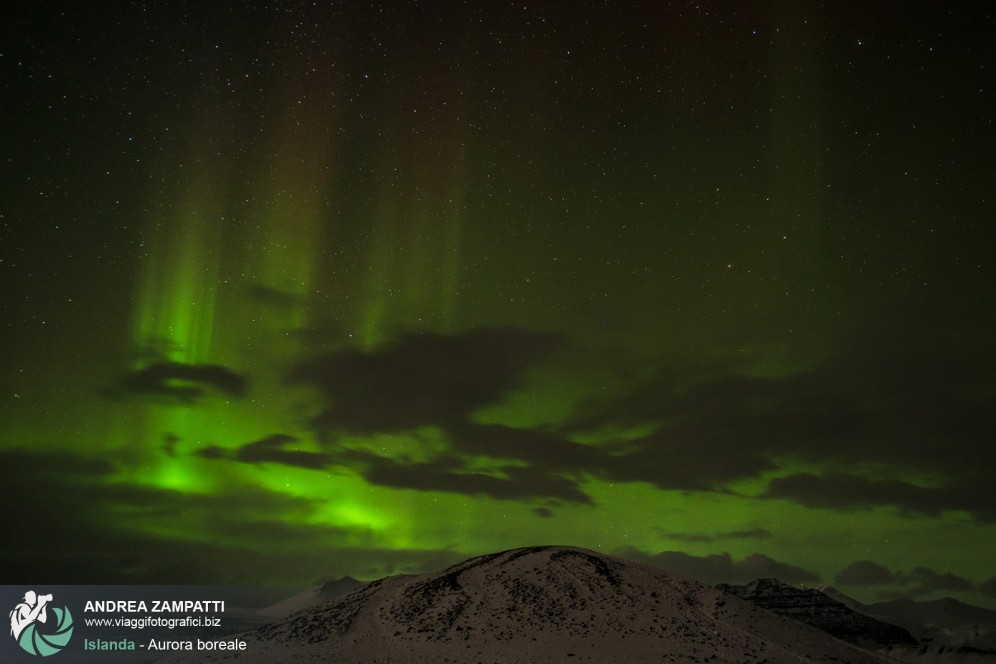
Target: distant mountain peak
<point>310,597</point>
<point>817,608</point>
<point>338,587</point>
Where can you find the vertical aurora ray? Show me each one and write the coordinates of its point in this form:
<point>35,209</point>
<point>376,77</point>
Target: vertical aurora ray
<point>453,215</point>
<point>379,280</point>
<point>413,269</point>
<point>288,231</point>
<point>175,312</point>
<point>178,287</point>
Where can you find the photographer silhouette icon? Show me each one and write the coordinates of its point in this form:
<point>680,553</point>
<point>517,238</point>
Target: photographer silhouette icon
<point>26,616</point>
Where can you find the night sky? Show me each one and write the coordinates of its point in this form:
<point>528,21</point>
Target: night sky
<point>296,290</point>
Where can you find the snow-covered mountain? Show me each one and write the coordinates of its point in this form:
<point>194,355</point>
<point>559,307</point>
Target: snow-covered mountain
<point>942,622</point>
<point>541,604</point>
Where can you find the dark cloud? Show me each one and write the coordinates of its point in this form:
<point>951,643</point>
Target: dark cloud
<point>433,379</point>
<point>839,491</point>
<point>723,427</point>
<point>683,458</point>
<point>872,403</point>
<point>753,533</point>
<point>685,537</point>
<point>721,568</point>
<point>543,512</point>
<point>452,474</point>
<point>421,379</point>
<point>536,447</point>
<point>988,588</point>
<point>915,583</point>
<point>449,471</point>
<point>527,463</point>
<point>215,452</point>
<point>888,396</point>
<point>864,573</point>
<point>925,581</point>
<point>183,383</point>
<point>272,449</point>
<point>170,441</point>
<point>669,462</point>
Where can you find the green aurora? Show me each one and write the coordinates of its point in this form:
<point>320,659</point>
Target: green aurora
<point>292,294</point>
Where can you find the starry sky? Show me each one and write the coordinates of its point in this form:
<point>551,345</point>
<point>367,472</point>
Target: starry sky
<point>294,290</point>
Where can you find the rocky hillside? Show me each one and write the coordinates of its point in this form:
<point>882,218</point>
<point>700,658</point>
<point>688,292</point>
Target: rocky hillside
<point>813,607</point>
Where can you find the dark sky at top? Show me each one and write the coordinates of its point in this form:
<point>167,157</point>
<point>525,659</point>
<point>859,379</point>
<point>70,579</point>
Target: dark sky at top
<point>296,290</point>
